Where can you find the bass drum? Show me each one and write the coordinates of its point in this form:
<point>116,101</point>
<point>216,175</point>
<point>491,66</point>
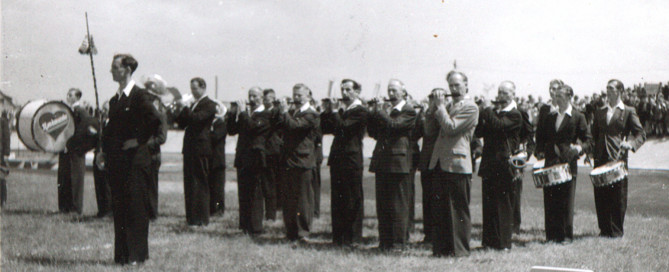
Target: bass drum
<point>45,126</point>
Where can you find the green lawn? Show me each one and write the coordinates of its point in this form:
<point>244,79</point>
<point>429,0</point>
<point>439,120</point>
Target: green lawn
<point>36,238</point>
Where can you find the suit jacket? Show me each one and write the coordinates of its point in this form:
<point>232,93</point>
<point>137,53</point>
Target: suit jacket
<point>218,133</point>
<point>608,137</point>
<point>84,138</point>
<point>197,122</point>
<point>274,139</point>
<point>572,128</point>
<point>253,131</point>
<point>299,136</point>
<point>132,117</point>
<point>348,128</point>
<point>393,152</point>
<point>456,125</point>
<point>501,138</point>
<point>160,135</point>
<point>423,122</point>
<point>5,138</point>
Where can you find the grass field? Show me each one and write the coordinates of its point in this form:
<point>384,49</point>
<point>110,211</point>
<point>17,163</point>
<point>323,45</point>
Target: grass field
<point>37,238</point>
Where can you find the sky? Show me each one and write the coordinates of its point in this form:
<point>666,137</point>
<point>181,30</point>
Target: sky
<point>276,44</point>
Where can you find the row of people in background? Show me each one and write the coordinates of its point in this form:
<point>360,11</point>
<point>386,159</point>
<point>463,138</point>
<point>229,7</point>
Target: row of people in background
<point>278,156</point>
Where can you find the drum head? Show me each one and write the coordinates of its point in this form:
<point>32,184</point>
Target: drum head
<point>45,126</point>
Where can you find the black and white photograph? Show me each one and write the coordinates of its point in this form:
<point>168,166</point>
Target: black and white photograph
<point>264,135</point>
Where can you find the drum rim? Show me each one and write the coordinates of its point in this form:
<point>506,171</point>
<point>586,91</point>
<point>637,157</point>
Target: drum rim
<point>69,110</point>
<point>18,115</point>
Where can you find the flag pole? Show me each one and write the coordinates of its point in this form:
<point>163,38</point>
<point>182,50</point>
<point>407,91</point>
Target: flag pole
<point>95,83</point>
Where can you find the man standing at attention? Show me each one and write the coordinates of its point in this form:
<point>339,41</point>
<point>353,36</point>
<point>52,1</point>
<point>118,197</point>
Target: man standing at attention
<point>132,121</point>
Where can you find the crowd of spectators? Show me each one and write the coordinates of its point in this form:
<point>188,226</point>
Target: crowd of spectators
<point>652,107</point>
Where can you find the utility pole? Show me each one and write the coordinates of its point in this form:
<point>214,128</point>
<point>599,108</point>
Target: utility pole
<point>216,84</point>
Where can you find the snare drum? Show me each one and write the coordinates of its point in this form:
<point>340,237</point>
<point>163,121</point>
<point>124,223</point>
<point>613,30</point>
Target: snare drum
<point>45,126</point>
<point>608,174</point>
<point>551,176</point>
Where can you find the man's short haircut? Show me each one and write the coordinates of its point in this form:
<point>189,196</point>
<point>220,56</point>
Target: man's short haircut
<point>455,72</point>
<point>567,90</point>
<point>268,91</point>
<point>619,85</point>
<point>127,61</point>
<point>559,82</point>
<point>356,85</point>
<point>200,82</point>
<point>300,86</point>
<point>76,91</point>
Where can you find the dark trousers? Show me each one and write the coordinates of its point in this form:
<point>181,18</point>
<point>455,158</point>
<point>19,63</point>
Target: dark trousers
<point>249,184</point>
<point>426,185</point>
<point>298,206</point>
<point>412,202</point>
<point>316,184</point>
<point>515,203</point>
<point>153,189</point>
<point>3,191</point>
<point>450,211</point>
<point>130,205</point>
<point>196,189</point>
<point>611,204</point>
<point>217,191</point>
<point>71,169</point>
<point>392,208</point>
<point>497,212</point>
<point>102,191</point>
<point>347,205</point>
<point>559,211</point>
<point>269,187</point>
<point>274,180</point>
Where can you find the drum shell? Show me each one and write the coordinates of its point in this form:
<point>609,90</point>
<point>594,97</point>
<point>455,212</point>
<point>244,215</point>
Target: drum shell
<point>551,176</point>
<point>45,126</point>
<point>616,173</point>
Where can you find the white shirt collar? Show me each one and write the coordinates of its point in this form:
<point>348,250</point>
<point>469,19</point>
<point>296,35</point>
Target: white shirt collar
<point>261,108</point>
<point>400,105</point>
<point>620,105</point>
<point>128,88</point>
<point>197,101</point>
<point>567,112</point>
<point>355,103</point>
<point>305,107</point>
<point>510,107</point>
<point>75,104</point>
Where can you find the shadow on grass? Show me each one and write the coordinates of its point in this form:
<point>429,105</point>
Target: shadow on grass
<point>59,262</point>
<point>30,212</point>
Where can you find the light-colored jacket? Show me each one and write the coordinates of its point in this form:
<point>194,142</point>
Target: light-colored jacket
<point>456,123</point>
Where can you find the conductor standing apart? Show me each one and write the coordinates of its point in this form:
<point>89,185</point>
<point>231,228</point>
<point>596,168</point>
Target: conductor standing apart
<point>132,121</point>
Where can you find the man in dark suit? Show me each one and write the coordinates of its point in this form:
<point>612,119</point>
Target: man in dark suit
<point>559,143</point>
<point>72,162</point>
<point>451,164</point>
<point>197,152</point>
<point>615,130</point>
<point>429,139</point>
<point>132,121</point>
<point>100,177</point>
<point>218,134</point>
<point>500,129</point>
<point>252,124</point>
<point>154,143</point>
<point>4,151</point>
<point>347,123</point>
<point>392,161</point>
<point>272,189</point>
<point>299,133</point>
